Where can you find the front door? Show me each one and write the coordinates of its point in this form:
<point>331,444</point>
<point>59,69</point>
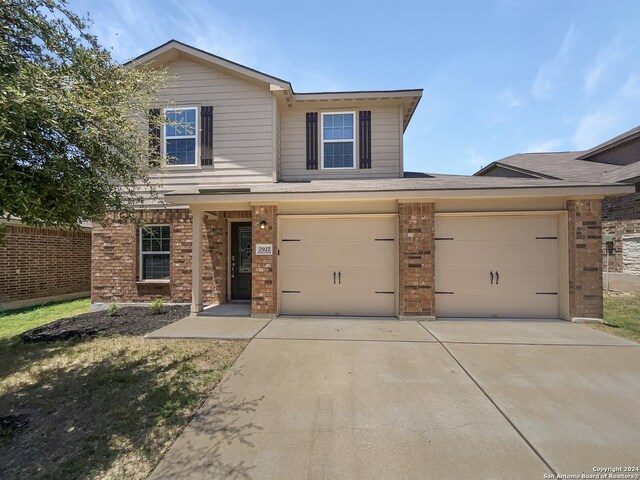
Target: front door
<point>240,261</point>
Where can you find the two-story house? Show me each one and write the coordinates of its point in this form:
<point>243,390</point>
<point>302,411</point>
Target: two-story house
<point>299,204</point>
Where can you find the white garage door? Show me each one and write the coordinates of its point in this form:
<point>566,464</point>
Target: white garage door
<point>338,266</point>
<point>496,266</point>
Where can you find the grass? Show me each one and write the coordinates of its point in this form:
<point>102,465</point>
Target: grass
<point>14,322</point>
<point>101,407</point>
<point>622,316</point>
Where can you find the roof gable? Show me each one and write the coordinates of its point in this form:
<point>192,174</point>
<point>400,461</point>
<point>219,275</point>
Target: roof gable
<point>169,51</point>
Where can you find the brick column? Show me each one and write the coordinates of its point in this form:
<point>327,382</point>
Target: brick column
<point>585,260</point>
<point>417,261</point>
<point>196,261</point>
<point>263,267</point>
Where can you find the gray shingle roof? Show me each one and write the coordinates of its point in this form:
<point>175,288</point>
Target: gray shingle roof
<point>560,165</point>
<point>574,166</point>
<point>448,182</point>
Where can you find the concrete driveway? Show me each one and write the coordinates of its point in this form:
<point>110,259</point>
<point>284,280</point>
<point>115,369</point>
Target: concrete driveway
<point>322,398</point>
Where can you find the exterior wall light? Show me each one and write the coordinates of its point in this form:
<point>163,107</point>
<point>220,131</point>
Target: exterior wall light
<point>263,225</point>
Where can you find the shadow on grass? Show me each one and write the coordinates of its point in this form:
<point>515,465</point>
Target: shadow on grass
<point>76,420</point>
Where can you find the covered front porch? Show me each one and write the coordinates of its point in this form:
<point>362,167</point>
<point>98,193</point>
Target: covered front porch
<point>228,278</point>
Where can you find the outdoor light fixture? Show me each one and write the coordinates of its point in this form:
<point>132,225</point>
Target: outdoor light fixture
<point>263,225</point>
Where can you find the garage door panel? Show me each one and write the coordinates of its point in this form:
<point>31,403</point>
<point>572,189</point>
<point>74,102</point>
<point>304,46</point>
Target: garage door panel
<point>453,252</point>
<point>304,278</point>
<point>451,278</point>
<point>486,228</point>
<point>524,252</point>
<point>361,251</point>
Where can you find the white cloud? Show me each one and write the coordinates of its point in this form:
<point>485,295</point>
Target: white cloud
<point>594,128</point>
<point>129,29</point>
<point>544,146</point>
<point>551,72</point>
<point>630,90</point>
<point>508,98</point>
<point>602,64</point>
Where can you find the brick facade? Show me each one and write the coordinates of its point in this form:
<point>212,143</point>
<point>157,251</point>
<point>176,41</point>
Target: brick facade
<point>585,261</point>
<point>37,263</point>
<point>115,272</point>
<point>417,260</point>
<point>264,267</point>
<point>620,216</point>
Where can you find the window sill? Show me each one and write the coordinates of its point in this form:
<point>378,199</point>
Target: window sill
<point>181,167</point>
<point>153,282</point>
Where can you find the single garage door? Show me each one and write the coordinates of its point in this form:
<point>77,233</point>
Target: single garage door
<point>338,266</point>
<point>497,266</point>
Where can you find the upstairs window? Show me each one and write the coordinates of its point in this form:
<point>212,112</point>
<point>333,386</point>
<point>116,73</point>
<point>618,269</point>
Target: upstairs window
<point>338,140</point>
<point>155,252</point>
<point>180,135</point>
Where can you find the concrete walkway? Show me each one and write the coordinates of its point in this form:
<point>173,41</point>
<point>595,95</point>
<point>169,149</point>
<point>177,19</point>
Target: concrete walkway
<point>212,327</point>
<point>388,399</point>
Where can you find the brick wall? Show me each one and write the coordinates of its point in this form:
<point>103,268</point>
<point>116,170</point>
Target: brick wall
<point>618,228</point>
<point>623,207</point>
<point>620,216</point>
<point>417,265</point>
<point>264,267</point>
<point>585,260</point>
<point>115,273</point>
<point>40,262</point>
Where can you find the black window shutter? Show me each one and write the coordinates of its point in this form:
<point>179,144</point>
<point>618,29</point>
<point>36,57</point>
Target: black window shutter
<point>154,137</point>
<point>312,141</point>
<point>206,136</point>
<point>365,139</point>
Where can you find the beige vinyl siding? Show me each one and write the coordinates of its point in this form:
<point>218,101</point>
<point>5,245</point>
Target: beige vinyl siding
<point>242,125</point>
<point>386,143</point>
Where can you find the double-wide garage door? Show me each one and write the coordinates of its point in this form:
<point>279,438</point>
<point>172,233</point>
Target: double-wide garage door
<point>497,266</point>
<point>338,266</point>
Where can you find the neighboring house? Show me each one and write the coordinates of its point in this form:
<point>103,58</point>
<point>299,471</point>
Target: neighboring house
<point>298,203</point>
<point>617,160</point>
<point>39,265</point>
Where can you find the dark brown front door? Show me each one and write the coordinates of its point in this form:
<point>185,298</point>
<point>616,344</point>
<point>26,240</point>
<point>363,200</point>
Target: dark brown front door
<point>241,261</point>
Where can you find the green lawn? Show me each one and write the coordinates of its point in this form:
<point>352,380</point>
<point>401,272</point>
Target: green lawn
<point>622,316</point>
<point>105,407</point>
<point>14,322</point>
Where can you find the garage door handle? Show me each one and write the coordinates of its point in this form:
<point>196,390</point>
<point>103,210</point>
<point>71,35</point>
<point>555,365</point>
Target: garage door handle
<point>491,273</point>
<point>497,277</point>
<point>334,278</point>
<point>339,277</point>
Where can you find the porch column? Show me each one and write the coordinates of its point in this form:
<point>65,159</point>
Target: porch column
<point>585,260</point>
<point>417,299</point>
<point>196,261</point>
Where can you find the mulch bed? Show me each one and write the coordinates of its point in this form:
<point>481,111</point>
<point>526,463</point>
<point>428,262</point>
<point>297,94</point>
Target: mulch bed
<point>131,321</point>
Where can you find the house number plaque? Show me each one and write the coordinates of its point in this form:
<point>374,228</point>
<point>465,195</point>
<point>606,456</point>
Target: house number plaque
<point>264,249</point>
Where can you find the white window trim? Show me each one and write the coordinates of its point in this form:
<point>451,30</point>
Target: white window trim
<point>195,136</point>
<point>142,253</point>
<point>322,141</point>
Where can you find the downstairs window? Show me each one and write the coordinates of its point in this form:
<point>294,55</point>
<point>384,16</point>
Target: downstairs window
<point>155,252</point>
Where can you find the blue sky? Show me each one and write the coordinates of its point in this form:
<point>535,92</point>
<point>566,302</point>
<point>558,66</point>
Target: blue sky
<point>499,77</point>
